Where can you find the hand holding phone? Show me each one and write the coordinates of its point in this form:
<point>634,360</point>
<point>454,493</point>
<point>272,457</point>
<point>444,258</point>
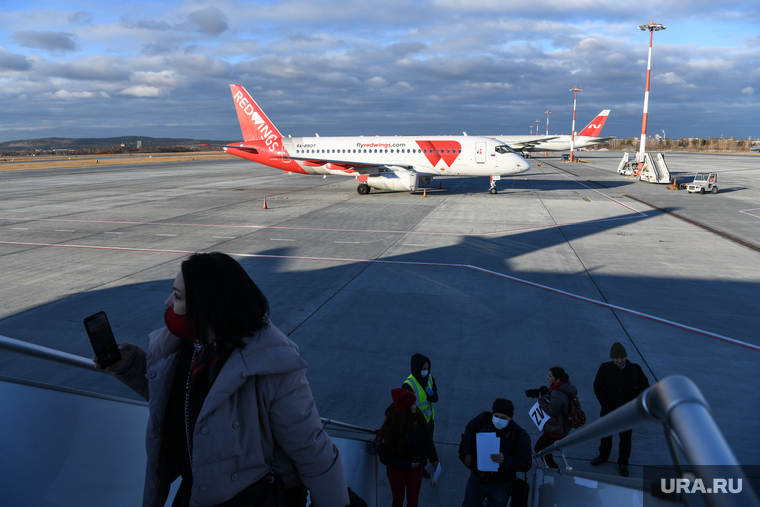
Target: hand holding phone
<point>102,339</point>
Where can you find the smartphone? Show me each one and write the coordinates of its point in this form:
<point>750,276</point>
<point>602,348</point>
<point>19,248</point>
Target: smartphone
<point>102,339</point>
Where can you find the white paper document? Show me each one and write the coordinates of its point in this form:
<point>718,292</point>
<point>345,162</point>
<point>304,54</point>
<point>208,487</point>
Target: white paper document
<point>435,475</point>
<point>538,416</point>
<point>488,443</point>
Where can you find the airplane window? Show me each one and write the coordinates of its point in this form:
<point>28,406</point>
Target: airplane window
<point>504,149</point>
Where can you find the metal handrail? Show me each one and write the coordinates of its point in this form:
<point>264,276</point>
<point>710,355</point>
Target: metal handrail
<point>678,405</point>
<point>48,354</point>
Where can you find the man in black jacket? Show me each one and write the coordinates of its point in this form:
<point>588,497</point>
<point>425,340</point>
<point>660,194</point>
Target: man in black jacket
<point>514,455</point>
<point>617,382</point>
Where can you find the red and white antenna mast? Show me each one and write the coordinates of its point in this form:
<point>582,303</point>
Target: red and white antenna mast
<point>547,121</point>
<point>575,91</point>
<point>652,27</point>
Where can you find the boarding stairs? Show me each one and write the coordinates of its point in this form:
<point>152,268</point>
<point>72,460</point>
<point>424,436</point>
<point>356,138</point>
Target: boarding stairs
<point>655,170</point>
<point>66,447</point>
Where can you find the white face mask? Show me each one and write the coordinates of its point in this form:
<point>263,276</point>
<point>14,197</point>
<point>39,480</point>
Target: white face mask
<point>499,423</point>
<point>424,373</point>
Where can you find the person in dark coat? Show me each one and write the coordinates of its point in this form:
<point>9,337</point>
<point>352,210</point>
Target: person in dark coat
<point>556,405</point>
<point>404,443</point>
<point>514,455</point>
<point>617,382</point>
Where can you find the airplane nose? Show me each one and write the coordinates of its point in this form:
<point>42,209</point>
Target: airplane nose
<point>523,165</point>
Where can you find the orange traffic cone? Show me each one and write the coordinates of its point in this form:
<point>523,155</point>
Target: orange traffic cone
<point>424,192</point>
<point>265,204</point>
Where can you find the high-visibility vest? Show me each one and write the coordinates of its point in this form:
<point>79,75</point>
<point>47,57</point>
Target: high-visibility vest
<point>422,399</point>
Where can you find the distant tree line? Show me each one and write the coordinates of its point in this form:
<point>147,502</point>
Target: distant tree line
<point>123,150</point>
<point>693,144</point>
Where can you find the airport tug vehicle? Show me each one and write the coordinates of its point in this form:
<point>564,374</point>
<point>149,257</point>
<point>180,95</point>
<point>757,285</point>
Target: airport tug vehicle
<point>704,182</point>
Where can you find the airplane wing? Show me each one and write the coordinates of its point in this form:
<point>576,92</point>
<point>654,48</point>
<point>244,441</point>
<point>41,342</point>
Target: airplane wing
<point>349,166</point>
<point>525,143</point>
<point>601,139</point>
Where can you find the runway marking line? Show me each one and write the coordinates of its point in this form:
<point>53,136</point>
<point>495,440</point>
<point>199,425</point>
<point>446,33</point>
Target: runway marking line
<point>577,297</point>
<point>747,212</point>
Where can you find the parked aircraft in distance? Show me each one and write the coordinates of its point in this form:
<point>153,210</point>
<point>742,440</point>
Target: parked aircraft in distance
<point>585,138</point>
<point>755,148</point>
<point>398,163</point>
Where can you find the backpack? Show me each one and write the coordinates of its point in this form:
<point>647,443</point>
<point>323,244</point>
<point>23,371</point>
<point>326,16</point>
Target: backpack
<point>576,417</point>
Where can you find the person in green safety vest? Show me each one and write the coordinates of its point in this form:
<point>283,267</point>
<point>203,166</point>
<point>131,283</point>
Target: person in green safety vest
<point>422,384</point>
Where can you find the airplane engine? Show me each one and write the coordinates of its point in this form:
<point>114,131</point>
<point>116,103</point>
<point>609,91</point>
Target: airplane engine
<point>397,181</point>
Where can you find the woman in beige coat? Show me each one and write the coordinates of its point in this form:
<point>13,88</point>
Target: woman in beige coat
<point>230,406</point>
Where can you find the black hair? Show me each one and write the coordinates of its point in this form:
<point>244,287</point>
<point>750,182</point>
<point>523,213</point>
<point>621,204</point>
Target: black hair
<point>221,298</point>
<point>398,425</point>
<point>559,374</point>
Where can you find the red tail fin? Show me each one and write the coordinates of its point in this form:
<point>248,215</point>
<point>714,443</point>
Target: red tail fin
<point>594,128</point>
<point>254,124</point>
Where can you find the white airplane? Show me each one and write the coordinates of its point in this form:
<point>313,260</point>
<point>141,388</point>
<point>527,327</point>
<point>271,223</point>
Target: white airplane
<point>585,138</point>
<point>398,163</point>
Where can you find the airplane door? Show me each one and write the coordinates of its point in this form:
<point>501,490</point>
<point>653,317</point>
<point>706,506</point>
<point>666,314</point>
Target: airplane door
<point>480,153</point>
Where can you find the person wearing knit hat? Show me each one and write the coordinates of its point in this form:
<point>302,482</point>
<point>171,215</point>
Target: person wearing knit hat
<point>404,443</point>
<point>514,455</point>
<point>617,382</point>
<point>403,399</point>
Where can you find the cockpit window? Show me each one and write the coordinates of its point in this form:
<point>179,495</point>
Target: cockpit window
<point>503,148</point>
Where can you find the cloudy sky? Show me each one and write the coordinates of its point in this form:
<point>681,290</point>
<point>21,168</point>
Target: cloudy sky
<point>87,68</point>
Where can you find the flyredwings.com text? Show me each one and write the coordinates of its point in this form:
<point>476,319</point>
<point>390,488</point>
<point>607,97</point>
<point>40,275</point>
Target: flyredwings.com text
<point>381,145</point>
<point>687,486</point>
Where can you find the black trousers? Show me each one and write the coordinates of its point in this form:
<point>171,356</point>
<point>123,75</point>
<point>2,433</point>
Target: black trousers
<point>625,447</point>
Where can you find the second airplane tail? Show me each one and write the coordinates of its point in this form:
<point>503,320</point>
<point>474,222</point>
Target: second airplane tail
<point>254,124</point>
<point>594,128</point>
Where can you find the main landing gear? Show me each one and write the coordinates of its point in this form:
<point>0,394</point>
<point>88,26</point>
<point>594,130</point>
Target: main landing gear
<point>363,189</point>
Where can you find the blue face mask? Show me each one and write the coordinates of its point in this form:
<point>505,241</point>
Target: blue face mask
<point>499,423</point>
<point>424,373</point>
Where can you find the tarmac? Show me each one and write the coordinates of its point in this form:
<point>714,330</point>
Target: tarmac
<point>565,260</point>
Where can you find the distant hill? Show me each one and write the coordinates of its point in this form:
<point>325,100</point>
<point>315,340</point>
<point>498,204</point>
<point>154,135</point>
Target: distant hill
<point>58,143</point>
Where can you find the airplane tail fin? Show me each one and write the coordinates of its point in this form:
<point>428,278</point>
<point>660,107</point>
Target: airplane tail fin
<point>254,124</point>
<point>594,128</point>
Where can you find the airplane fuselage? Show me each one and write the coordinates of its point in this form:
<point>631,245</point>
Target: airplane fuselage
<point>425,155</point>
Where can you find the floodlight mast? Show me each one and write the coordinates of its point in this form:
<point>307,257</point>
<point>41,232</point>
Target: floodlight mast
<point>575,91</point>
<point>547,121</point>
<point>652,27</point>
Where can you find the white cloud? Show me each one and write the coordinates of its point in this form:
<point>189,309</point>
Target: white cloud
<point>748,90</point>
<point>671,78</point>
<point>142,91</point>
<point>65,94</point>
